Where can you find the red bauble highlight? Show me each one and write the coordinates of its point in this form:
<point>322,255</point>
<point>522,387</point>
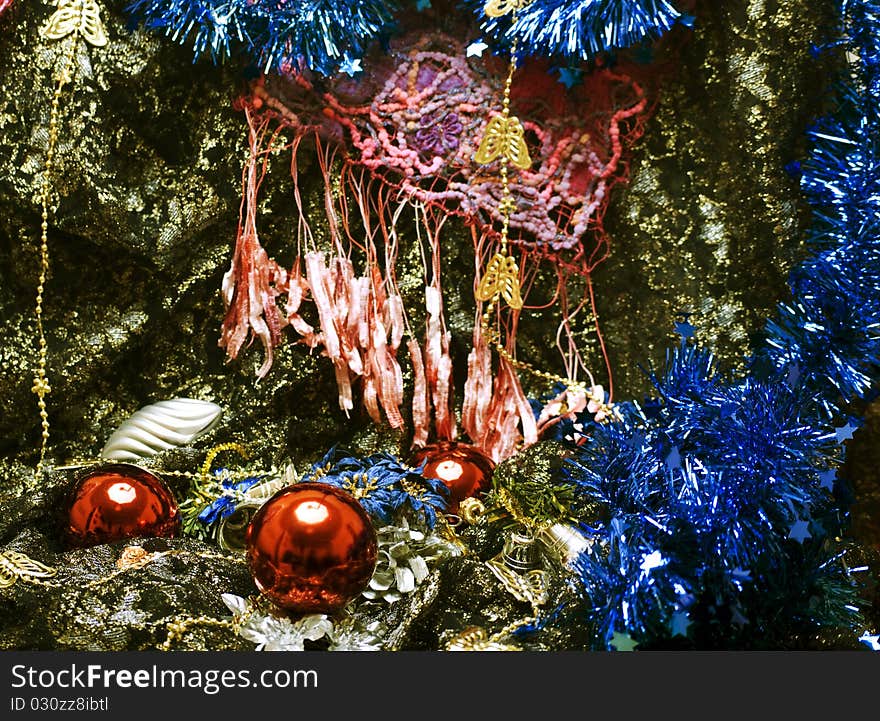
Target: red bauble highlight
<point>465,470</point>
<point>119,501</point>
<point>311,548</point>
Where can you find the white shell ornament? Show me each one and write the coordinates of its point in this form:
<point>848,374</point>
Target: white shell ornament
<point>160,426</point>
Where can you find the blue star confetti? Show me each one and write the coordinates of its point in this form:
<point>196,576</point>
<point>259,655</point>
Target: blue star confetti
<point>622,642</point>
<point>570,77</point>
<point>685,330</point>
<point>351,66</point>
<point>800,531</point>
<point>872,642</point>
<point>737,618</point>
<point>650,561</point>
<point>845,433</point>
<point>827,479</point>
<point>680,624</point>
<point>673,459</point>
<point>476,48</point>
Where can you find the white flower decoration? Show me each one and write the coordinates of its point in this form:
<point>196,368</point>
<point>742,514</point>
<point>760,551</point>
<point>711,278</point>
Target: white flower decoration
<point>404,557</point>
<point>271,630</point>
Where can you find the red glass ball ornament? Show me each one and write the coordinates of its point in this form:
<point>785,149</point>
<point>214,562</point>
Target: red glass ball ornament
<point>466,470</point>
<point>311,548</point>
<point>119,501</point>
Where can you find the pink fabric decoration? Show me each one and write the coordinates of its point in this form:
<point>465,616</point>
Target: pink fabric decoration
<point>404,136</point>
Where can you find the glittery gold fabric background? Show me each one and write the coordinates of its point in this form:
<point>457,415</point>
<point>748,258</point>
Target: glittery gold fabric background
<point>145,207</point>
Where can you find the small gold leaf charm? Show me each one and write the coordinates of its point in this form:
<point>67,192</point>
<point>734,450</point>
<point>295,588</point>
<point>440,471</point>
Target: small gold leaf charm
<point>501,279</point>
<point>15,565</point>
<point>82,16</point>
<point>499,8</point>
<point>504,138</point>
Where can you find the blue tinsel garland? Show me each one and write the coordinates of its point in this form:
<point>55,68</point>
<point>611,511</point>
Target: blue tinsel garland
<point>324,35</point>
<point>581,29</point>
<point>723,500</point>
<point>329,36</point>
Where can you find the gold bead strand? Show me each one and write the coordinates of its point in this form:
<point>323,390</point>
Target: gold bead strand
<point>41,384</point>
<point>77,17</point>
<point>179,626</point>
<point>504,140</point>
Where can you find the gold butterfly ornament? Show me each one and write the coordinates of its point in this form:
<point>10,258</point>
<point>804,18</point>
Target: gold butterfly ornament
<point>77,16</point>
<point>501,280</point>
<point>504,138</point>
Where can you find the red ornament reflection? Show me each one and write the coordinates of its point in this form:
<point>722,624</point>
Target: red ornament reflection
<point>311,548</point>
<point>119,501</point>
<point>465,470</point>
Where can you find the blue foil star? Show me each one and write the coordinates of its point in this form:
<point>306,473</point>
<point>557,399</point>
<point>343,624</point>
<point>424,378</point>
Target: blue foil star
<point>476,48</point>
<point>799,531</point>
<point>637,441</point>
<point>423,5</point>
<point>351,67</point>
<point>740,574</point>
<point>570,77</point>
<point>685,329</point>
<point>872,642</point>
<point>737,619</point>
<point>673,460</point>
<point>845,433</point>
<point>680,624</point>
<point>728,409</point>
<point>827,478</point>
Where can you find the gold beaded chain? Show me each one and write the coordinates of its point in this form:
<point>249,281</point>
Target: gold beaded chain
<point>204,473</point>
<point>178,626</point>
<point>504,140</point>
<point>76,18</point>
<point>193,476</point>
<point>476,638</point>
<point>202,482</point>
<point>217,450</point>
